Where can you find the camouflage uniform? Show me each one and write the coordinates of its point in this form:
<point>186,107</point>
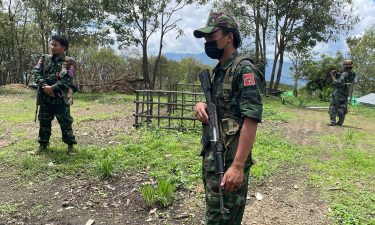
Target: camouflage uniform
<point>237,92</point>
<point>48,71</point>
<point>339,99</point>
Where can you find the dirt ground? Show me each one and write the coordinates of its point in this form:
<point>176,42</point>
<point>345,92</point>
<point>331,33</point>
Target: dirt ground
<point>287,196</point>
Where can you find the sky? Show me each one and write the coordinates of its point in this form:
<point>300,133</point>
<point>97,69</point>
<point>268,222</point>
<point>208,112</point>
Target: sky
<point>194,17</point>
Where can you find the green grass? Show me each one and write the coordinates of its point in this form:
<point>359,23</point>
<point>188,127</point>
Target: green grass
<point>105,98</point>
<point>8,208</point>
<point>270,154</point>
<point>347,177</point>
<point>341,164</point>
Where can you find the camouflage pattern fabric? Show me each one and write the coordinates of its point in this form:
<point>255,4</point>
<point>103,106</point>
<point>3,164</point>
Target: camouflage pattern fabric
<point>62,112</point>
<point>237,95</point>
<point>216,20</point>
<point>339,98</point>
<point>47,72</point>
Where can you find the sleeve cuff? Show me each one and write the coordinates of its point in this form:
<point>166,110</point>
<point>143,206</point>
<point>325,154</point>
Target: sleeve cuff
<point>255,114</point>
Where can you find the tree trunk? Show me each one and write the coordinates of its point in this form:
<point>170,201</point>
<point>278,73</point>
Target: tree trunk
<point>257,36</point>
<point>146,77</point>
<point>280,69</point>
<point>275,60</point>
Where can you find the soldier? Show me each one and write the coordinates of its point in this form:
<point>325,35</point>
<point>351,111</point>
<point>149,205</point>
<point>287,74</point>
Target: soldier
<point>54,75</point>
<point>237,86</point>
<point>342,88</point>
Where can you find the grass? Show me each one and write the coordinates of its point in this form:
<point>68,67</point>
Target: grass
<point>8,208</point>
<point>341,164</point>
<point>344,169</point>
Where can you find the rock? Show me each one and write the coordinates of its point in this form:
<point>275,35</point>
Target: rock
<point>149,220</point>
<point>152,211</point>
<point>90,222</point>
<point>296,187</point>
<point>259,196</point>
<point>182,216</point>
<point>127,202</point>
<point>110,187</point>
<point>67,204</point>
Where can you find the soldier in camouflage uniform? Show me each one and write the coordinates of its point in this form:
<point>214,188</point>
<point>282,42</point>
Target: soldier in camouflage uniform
<point>237,86</point>
<point>342,84</point>
<point>54,75</point>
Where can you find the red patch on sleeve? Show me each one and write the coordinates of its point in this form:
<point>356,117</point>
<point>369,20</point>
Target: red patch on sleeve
<point>248,79</point>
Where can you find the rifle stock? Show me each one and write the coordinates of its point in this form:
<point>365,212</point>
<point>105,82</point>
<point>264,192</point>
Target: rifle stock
<point>214,133</point>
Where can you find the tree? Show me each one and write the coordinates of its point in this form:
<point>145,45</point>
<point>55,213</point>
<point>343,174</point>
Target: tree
<point>166,25</point>
<point>291,24</point>
<point>254,21</point>
<point>362,52</point>
<point>135,22</point>
<point>318,75</point>
<point>300,58</point>
<point>298,24</point>
<point>80,21</point>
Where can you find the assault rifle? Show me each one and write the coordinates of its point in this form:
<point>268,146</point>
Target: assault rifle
<point>213,131</point>
<point>39,93</point>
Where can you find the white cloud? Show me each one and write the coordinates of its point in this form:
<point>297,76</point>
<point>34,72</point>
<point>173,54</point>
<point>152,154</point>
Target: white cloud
<point>194,17</point>
<point>366,10</point>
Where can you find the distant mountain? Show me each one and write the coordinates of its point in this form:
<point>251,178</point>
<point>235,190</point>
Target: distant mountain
<point>203,58</point>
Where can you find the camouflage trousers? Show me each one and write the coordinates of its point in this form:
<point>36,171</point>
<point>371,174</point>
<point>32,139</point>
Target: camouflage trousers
<point>234,201</point>
<point>62,112</point>
<point>338,109</point>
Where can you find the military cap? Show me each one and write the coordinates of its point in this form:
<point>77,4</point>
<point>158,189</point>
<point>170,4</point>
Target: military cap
<point>348,63</point>
<point>215,21</point>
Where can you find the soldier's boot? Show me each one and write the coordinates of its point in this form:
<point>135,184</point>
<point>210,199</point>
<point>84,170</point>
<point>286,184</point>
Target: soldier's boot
<point>71,150</point>
<point>41,149</point>
<point>333,121</point>
<point>341,120</point>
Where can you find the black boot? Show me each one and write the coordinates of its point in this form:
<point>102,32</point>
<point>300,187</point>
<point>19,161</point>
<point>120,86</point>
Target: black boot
<point>71,150</point>
<point>41,149</point>
<point>333,121</point>
<point>341,120</point>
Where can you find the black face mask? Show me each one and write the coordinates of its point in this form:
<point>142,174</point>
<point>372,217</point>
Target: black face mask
<point>212,50</point>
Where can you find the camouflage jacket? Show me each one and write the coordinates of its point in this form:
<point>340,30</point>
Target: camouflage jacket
<point>342,86</point>
<point>50,71</point>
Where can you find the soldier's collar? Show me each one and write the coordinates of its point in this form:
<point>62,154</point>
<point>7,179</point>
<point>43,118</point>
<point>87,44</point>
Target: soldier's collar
<point>229,61</point>
<point>59,58</point>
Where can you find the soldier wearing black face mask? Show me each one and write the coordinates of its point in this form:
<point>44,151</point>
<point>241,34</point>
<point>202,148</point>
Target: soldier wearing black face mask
<point>236,88</point>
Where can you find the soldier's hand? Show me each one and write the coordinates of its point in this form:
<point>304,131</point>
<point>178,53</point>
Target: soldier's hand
<point>233,179</point>
<point>48,90</point>
<point>200,112</point>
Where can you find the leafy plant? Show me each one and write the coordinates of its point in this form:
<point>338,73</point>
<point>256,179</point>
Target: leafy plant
<point>148,194</point>
<point>164,192</point>
<point>106,167</point>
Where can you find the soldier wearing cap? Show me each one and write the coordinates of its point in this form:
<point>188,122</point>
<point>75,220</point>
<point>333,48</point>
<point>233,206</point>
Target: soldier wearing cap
<point>237,86</point>
<point>342,88</point>
<point>54,75</point>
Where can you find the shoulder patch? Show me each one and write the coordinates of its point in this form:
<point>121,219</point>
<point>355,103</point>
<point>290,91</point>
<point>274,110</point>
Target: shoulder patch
<point>248,79</point>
